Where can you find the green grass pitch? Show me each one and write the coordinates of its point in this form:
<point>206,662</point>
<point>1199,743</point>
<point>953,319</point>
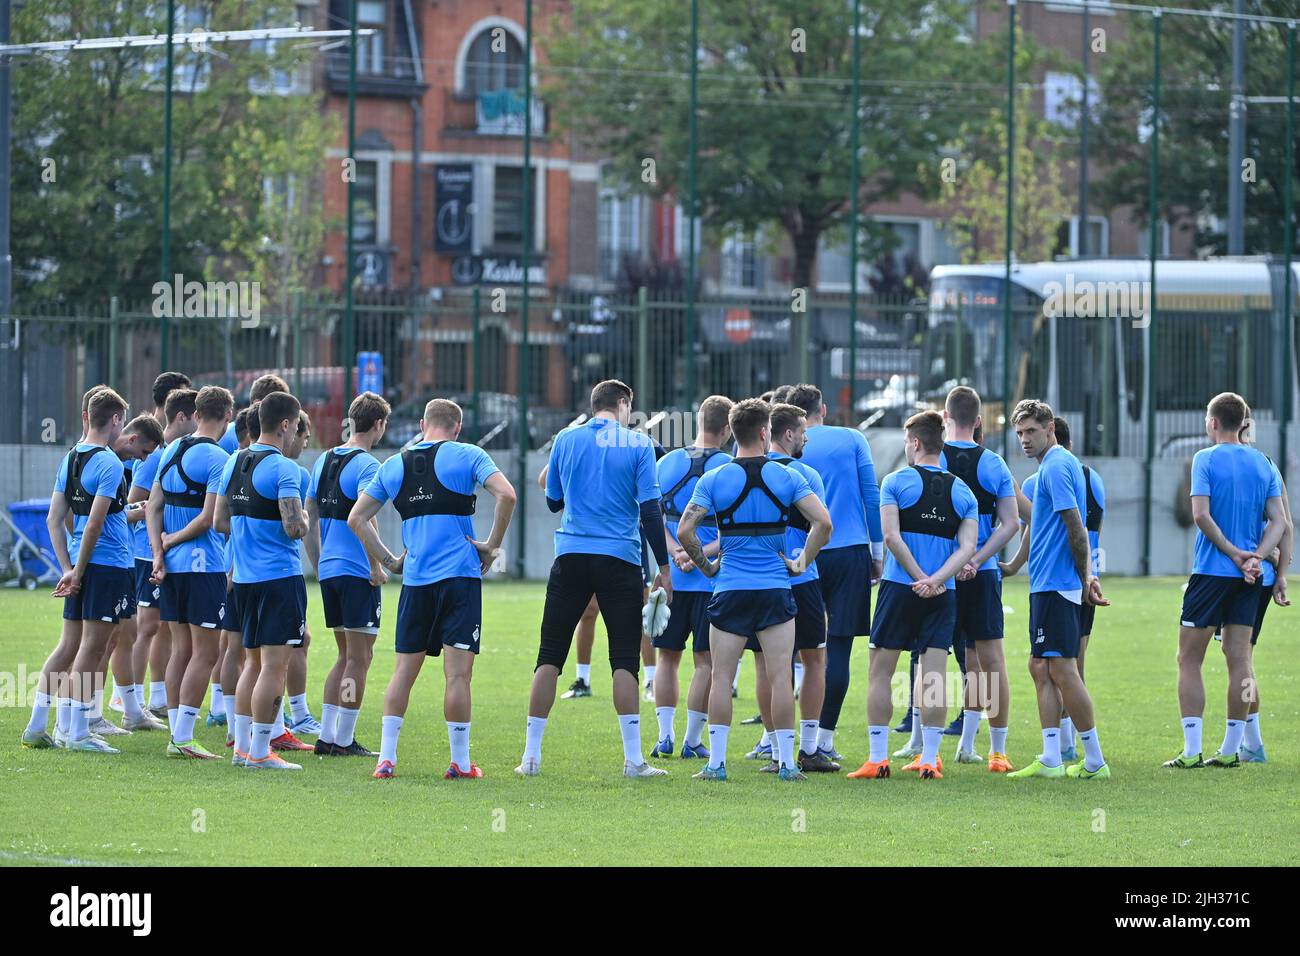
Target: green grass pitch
<point>141,808</point>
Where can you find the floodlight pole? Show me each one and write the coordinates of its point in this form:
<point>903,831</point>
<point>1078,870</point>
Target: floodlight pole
<point>854,119</point>
<point>349,356</point>
<point>1153,229</point>
<point>527,223</point>
<point>691,148</point>
<point>1288,224</point>
<point>165,266</point>
<point>1010,234</point>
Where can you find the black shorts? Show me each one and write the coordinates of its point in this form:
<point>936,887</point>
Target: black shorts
<point>617,586</point>
<point>1087,615</point>
<point>273,613</point>
<point>105,595</point>
<point>844,575</point>
<point>906,622</point>
<point>351,603</point>
<point>146,592</point>
<point>745,613</point>
<point>810,616</point>
<point>446,613</point>
<point>193,597</point>
<point>230,620</point>
<point>1212,601</point>
<point>689,615</point>
<point>1053,625</point>
<point>1265,599</point>
<point>979,608</point>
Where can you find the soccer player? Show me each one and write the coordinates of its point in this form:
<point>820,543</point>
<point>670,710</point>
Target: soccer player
<point>96,581</point>
<point>789,435</point>
<point>350,581</point>
<point>263,386</point>
<point>601,474</point>
<point>930,520</point>
<point>232,645</point>
<point>189,563</point>
<point>752,499</point>
<point>1060,581</point>
<point>979,583</point>
<point>677,472</point>
<point>850,562</point>
<point>301,720</point>
<point>431,485</point>
<point>261,509</point>
<point>1232,486</point>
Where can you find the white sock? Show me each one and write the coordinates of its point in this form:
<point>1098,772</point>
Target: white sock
<point>766,739</point>
<point>1191,736</point>
<point>392,727</point>
<point>666,716</point>
<point>63,715</point>
<point>533,738</point>
<point>808,737</point>
<point>458,737</point>
<point>218,704</point>
<point>298,707</point>
<point>1067,733</point>
<point>229,701</point>
<point>40,713</point>
<point>80,717</point>
<point>347,726</point>
<point>915,740</point>
<point>278,724</point>
<point>97,705</point>
<point>1232,737</point>
<point>243,733</point>
<point>970,723</point>
<point>1051,747</point>
<point>718,734</point>
<point>650,675</point>
<point>629,725</point>
<point>785,747</point>
<point>931,737</point>
<point>696,721</point>
<point>1092,758</point>
<point>1253,740</point>
<point>584,673</point>
<point>878,735</point>
<point>173,715</point>
<point>798,675</point>
<point>329,715</point>
<point>131,701</point>
<point>262,734</point>
<point>157,694</point>
<point>825,739</point>
<point>998,739</point>
<point>183,731</point>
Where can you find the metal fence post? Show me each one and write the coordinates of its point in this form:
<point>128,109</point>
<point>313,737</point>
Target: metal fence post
<point>1288,329</point>
<point>1153,214</point>
<point>643,347</point>
<point>476,362</point>
<point>853,218</point>
<point>1010,235</point>
<point>297,350</point>
<point>110,373</point>
<point>692,149</point>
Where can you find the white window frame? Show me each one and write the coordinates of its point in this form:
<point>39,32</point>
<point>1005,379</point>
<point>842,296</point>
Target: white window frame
<point>485,202</point>
<point>383,161</point>
<point>466,41</point>
<point>1105,236</point>
<point>1144,241</point>
<point>623,203</point>
<point>734,245</point>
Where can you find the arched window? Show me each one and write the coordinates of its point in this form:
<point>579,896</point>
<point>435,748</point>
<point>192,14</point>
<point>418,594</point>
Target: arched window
<point>488,70</point>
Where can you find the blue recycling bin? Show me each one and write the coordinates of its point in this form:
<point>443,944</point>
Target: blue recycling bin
<point>29,517</point>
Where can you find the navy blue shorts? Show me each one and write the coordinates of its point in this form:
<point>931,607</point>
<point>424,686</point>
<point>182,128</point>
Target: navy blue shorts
<point>273,613</point>
<point>845,578</point>
<point>1087,615</point>
<point>193,597</point>
<point>1053,625</point>
<point>230,618</point>
<point>979,608</point>
<point>146,592</point>
<point>1212,601</point>
<point>1265,599</point>
<point>689,615</point>
<point>906,622</point>
<point>105,595</point>
<point>351,603</point>
<point>745,613</point>
<point>810,620</point>
<point>446,613</point>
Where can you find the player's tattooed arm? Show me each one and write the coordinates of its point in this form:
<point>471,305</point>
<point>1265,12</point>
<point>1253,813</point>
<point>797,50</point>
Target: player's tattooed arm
<point>691,518</point>
<point>292,518</point>
<point>361,519</point>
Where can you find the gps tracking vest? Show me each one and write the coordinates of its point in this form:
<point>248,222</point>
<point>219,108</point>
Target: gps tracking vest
<point>729,527</point>
<point>245,500</point>
<point>1093,521</point>
<point>699,458</point>
<point>78,497</point>
<point>330,499</point>
<point>933,513</point>
<point>195,491</point>
<point>965,464</point>
<point>797,520</point>
<point>422,493</point>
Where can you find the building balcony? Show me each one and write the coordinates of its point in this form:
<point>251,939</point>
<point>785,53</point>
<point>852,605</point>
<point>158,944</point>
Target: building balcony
<point>493,113</point>
<point>391,76</point>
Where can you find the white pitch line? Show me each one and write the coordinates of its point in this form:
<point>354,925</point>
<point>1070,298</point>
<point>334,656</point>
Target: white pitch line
<point>57,860</point>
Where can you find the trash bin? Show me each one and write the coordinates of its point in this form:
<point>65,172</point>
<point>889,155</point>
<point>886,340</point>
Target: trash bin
<point>29,517</point>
